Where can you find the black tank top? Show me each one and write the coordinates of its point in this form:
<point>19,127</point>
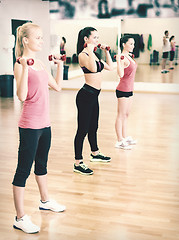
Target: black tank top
<point>100,67</point>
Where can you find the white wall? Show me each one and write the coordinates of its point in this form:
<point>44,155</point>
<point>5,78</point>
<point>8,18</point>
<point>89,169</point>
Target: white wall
<point>108,31</point>
<point>153,26</point>
<point>35,10</point>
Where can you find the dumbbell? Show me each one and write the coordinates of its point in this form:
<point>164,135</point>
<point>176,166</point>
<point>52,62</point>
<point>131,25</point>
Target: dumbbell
<point>85,45</point>
<point>30,61</point>
<point>122,57</point>
<point>51,57</point>
<point>107,48</point>
<point>131,55</point>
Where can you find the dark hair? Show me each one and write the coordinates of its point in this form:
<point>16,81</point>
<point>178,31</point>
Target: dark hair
<point>124,39</point>
<point>85,32</point>
<point>166,32</point>
<point>64,39</point>
<point>171,38</point>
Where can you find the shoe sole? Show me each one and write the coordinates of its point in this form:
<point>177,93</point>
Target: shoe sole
<point>40,208</point>
<point>82,172</point>
<point>123,148</point>
<point>24,231</point>
<point>132,143</point>
<point>100,160</point>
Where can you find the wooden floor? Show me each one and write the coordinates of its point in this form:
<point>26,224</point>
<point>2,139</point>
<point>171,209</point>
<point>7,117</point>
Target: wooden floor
<point>135,197</point>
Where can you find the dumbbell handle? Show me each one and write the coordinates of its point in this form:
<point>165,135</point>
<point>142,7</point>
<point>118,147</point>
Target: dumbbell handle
<point>30,61</point>
<point>51,57</point>
<point>85,45</point>
<point>107,48</point>
<point>122,57</point>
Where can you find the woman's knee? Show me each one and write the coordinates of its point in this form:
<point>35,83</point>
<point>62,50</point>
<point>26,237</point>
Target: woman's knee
<point>20,178</point>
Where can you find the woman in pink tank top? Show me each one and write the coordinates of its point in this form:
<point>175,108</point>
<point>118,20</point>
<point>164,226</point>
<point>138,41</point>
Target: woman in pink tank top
<point>34,124</point>
<point>126,69</point>
<point>172,51</point>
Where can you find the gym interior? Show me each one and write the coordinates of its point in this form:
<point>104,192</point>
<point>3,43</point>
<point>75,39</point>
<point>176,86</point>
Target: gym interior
<point>136,195</point>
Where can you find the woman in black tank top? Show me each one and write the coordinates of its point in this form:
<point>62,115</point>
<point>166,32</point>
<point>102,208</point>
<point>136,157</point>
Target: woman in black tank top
<point>87,98</point>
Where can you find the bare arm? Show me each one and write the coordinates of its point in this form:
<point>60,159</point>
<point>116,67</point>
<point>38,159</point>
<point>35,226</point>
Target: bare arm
<point>108,65</point>
<point>88,61</point>
<point>21,76</point>
<point>55,83</point>
<point>121,65</point>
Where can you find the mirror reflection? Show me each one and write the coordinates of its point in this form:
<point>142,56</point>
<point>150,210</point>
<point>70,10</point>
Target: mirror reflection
<point>148,34</point>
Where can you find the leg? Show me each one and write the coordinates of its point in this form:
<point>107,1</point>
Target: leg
<point>164,63</point>
<point>18,195</point>
<point>41,159</point>
<point>84,103</point>
<point>128,108</point>
<point>27,150</point>
<point>96,156</point>
<point>84,106</point>
<point>40,171</point>
<point>120,125</point>
<point>92,133</point>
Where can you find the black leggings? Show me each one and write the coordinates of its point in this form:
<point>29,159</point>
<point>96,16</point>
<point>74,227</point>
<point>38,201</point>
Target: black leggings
<point>88,115</point>
<point>34,145</point>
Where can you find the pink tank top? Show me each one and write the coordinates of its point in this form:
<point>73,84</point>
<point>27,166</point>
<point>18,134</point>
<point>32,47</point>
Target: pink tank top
<point>35,112</point>
<point>126,83</point>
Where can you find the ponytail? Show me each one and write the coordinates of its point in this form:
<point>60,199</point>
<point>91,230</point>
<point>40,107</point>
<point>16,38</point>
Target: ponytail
<point>19,48</point>
<point>85,32</point>
<point>21,32</point>
<point>124,39</point>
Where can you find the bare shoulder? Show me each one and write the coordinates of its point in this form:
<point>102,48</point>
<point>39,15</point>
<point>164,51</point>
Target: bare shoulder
<point>17,68</point>
<point>82,57</point>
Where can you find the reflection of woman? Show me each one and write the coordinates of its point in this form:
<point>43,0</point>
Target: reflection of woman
<point>172,51</point>
<point>126,68</point>
<point>87,98</point>
<point>62,46</point>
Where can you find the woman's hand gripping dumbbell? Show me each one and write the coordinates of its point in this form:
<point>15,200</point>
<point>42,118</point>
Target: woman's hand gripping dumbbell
<point>56,58</point>
<point>103,47</point>
<point>98,46</point>
<point>29,61</point>
<point>86,45</point>
<point>121,57</point>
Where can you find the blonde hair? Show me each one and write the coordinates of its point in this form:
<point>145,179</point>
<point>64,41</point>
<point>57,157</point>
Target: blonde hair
<point>21,32</point>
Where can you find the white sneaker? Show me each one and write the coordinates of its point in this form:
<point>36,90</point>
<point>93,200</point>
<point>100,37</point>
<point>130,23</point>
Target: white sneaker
<point>130,140</point>
<point>52,205</point>
<point>25,225</point>
<point>123,144</point>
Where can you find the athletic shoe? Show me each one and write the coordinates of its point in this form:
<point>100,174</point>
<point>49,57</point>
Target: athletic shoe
<point>130,140</point>
<point>123,145</point>
<point>25,225</point>
<point>83,169</point>
<point>51,205</point>
<point>99,158</point>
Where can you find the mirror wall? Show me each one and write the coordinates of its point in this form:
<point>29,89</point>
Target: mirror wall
<point>109,30</point>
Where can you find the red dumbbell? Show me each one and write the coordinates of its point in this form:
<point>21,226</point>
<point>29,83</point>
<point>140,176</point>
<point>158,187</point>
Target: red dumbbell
<point>107,48</point>
<point>51,57</point>
<point>30,61</point>
<point>122,57</point>
<point>85,45</point>
<point>131,55</point>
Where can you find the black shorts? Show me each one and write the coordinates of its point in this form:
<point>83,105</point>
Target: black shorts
<point>172,54</point>
<point>165,55</point>
<point>120,94</point>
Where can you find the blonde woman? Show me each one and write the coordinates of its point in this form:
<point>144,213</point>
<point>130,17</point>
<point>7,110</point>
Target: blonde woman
<point>126,69</point>
<point>34,124</point>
